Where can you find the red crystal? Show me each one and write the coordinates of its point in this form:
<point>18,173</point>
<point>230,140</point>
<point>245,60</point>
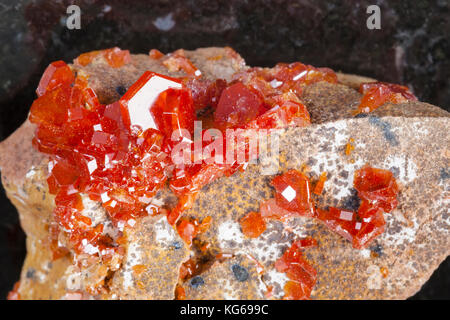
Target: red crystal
<point>375,94</point>
<point>252,225</point>
<point>237,106</point>
<point>177,61</point>
<point>348,224</point>
<point>187,230</point>
<point>320,184</point>
<point>58,73</point>
<point>377,186</point>
<point>119,154</point>
<point>270,210</point>
<point>293,193</point>
<point>378,190</point>
<point>115,57</point>
<point>158,102</point>
<point>155,54</point>
<point>287,112</point>
<point>303,73</point>
<point>205,93</point>
<point>302,274</point>
<point>14,293</point>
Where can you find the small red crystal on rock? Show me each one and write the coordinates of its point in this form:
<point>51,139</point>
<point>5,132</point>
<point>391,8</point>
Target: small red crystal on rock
<point>320,183</point>
<point>293,193</point>
<point>176,62</point>
<point>252,225</point>
<point>187,230</point>
<point>58,73</point>
<point>378,190</point>
<point>377,186</point>
<point>375,94</point>
<point>270,210</point>
<point>237,106</point>
<point>155,54</point>
<point>302,274</point>
<point>115,57</point>
<point>14,293</point>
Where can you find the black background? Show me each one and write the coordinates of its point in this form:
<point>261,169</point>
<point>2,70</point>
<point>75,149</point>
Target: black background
<point>412,48</point>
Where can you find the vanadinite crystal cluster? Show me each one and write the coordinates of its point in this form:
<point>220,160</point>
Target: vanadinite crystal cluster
<point>120,154</point>
<point>378,191</point>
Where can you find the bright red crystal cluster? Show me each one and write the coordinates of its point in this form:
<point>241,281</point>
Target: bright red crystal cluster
<point>119,154</point>
<point>377,189</point>
<point>254,99</point>
<point>375,94</point>
<point>301,274</point>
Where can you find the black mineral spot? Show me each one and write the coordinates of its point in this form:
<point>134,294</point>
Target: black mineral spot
<point>361,115</point>
<point>121,90</point>
<point>352,202</point>
<point>386,128</point>
<point>445,174</point>
<point>177,245</point>
<point>30,273</point>
<point>343,174</point>
<point>197,282</point>
<point>378,249</point>
<point>240,273</point>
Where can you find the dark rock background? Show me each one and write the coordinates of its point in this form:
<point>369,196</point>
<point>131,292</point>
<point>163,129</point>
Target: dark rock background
<point>412,48</point>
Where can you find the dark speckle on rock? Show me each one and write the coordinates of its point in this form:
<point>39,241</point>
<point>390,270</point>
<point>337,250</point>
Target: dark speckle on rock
<point>386,128</point>
<point>121,90</point>
<point>377,248</point>
<point>30,273</point>
<point>445,173</point>
<point>343,174</point>
<point>352,202</point>
<point>395,171</point>
<point>240,273</point>
<point>177,245</point>
<point>197,282</point>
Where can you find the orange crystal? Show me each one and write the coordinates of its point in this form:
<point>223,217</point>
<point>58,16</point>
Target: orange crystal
<point>302,275</point>
<point>115,57</point>
<point>252,225</point>
<point>293,193</point>
<point>58,73</point>
<point>375,94</point>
